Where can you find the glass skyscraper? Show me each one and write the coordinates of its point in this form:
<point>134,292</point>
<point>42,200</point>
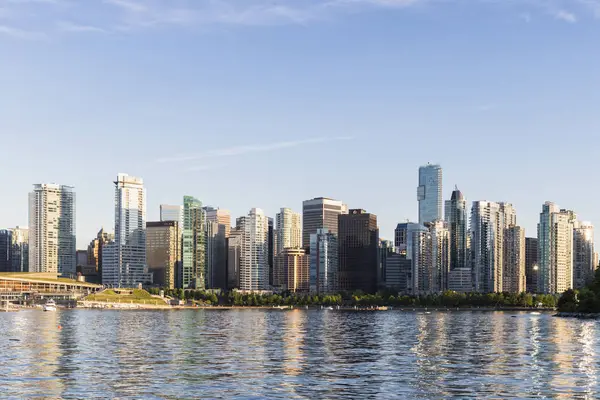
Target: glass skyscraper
<point>193,247</point>
<point>456,217</point>
<point>429,193</point>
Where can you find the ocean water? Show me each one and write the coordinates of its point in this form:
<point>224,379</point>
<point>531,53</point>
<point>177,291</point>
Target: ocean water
<point>308,354</point>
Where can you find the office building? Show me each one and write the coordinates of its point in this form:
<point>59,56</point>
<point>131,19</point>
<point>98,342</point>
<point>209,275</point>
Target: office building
<point>81,257</point>
<point>460,280</point>
<point>323,262</point>
<point>216,254</point>
<point>531,265</point>
<point>163,252</point>
<point>401,238</point>
<point>172,213</point>
<point>514,260</point>
<point>5,250</point>
<point>193,269</point>
<point>456,217</point>
<point>222,217</point>
<point>555,249</point>
<point>295,266</point>
<point>254,257</point>
<point>386,247</point>
<point>398,273</point>
<point>583,254</point>
<point>124,260</point>
<point>96,247</point>
<point>234,253</point>
<point>289,230</point>
<point>320,213</point>
<point>440,255</point>
<point>358,247</point>
<point>20,250</point>
<point>52,229</point>
<point>429,193</point>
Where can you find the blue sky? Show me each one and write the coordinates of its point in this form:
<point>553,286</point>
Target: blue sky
<point>256,103</point>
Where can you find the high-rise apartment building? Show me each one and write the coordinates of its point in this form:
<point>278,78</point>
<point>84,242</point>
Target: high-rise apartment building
<point>124,260</point>
<point>583,254</point>
<point>358,247</point>
<point>170,212</point>
<point>531,265</point>
<point>489,224</point>
<point>163,251</point>
<point>295,266</point>
<point>254,257</point>
<point>555,249</point>
<point>429,193</point>
<point>234,253</point>
<point>513,274</point>
<point>320,213</point>
<point>430,256</point>
<point>52,229</point>
<point>95,248</point>
<point>222,217</point>
<point>324,264</point>
<point>216,255</point>
<point>456,217</point>
<point>289,230</point>
<point>193,269</point>
<point>20,250</point>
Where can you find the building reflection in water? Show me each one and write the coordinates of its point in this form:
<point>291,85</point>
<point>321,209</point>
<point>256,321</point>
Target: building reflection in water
<point>587,364</point>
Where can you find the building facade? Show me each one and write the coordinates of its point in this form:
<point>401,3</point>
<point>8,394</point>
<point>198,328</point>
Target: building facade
<point>584,265</point>
<point>163,252</point>
<point>324,265</point>
<point>169,212</point>
<point>513,275</point>
<point>456,217</point>
<point>193,270</point>
<point>531,265</point>
<point>222,217</point>
<point>52,229</point>
<point>358,247</point>
<point>289,230</point>
<point>216,255</point>
<point>5,250</point>
<point>320,213</point>
<point>429,193</point>
<point>254,256</point>
<point>124,260</point>
<point>96,247</point>
<point>295,266</point>
<point>555,249</point>
<point>20,250</point>
<point>234,254</point>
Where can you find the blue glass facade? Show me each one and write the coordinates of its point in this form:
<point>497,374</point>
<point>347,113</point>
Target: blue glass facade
<point>429,193</point>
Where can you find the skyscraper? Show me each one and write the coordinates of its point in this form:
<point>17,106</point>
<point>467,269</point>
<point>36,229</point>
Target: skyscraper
<point>289,230</point>
<point>52,229</point>
<point>429,193</point>
<point>555,249</point>
<point>320,213</point>
<point>531,264</point>
<point>163,251</point>
<point>513,274</point>
<point>254,257</point>
<point>323,262</point>
<point>95,249</point>
<point>172,213</point>
<point>489,224</point>
<point>20,250</point>
<point>295,265</point>
<point>234,252</point>
<point>440,255</point>
<point>216,255</point>
<point>222,217</point>
<point>583,254</point>
<point>5,250</point>
<point>456,217</point>
<point>358,247</point>
<point>124,260</point>
<point>193,245</point>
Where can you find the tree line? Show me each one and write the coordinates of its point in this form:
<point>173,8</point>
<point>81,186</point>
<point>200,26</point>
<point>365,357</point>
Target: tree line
<point>382,298</point>
<point>586,300</point>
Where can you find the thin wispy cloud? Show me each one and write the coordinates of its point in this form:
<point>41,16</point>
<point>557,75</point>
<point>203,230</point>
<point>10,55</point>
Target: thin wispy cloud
<point>133,16</point>
<point>247,149</point>
<point>21,34</point>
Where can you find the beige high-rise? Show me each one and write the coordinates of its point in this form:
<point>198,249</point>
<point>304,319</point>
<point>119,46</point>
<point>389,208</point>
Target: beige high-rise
<point>295,265</point>
<point>513,274</point>
<point>163,251</point>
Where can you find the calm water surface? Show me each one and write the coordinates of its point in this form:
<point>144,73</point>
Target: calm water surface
<point>296,354</point>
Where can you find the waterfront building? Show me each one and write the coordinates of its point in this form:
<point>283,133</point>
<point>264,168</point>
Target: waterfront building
<point>216,255</point>
<point>5,250</point>
<point>584,264</point>
<point>531,264</point>
<point>254,257</point>
<point>386,247</point>
<point>429,193</point>
<point>52,229</point>
<point>398,273</point>
<point>430,256</point>
<point>234,252</point>
<point>193,269</point>
<point>456,217</point>
<point>124,260</point>
<point>358,246</point>
<point>170,212</point>
<point>222,217</point>
<point>401,238</point>
<point>555,249</point>
<point>489,223</point>
<point>95,249</point>
<point>320,213</point>
<point>294,263</point>
<point>163,252</point>
<point>286,235</point>
<point>513,274</point>
<point>460,280</point>
<point>20,250</point>
<point>440,255</point>
<point>323,262</point>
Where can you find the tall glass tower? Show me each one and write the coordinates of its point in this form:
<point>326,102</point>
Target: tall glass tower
<point>429,193</point>
<point>456,216</point>
<point>193,247</point>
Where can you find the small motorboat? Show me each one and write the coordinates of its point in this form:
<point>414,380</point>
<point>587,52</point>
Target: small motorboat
<point>49,306</point>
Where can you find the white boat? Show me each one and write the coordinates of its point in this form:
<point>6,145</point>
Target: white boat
<point>50,305</point>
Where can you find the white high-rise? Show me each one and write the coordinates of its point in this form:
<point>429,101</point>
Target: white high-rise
<point>323,262</point>
<point>52,229</point>
<point>555,249</point>
<point>254,257</point>
<point>289,230</point>
<point>124,260</point>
